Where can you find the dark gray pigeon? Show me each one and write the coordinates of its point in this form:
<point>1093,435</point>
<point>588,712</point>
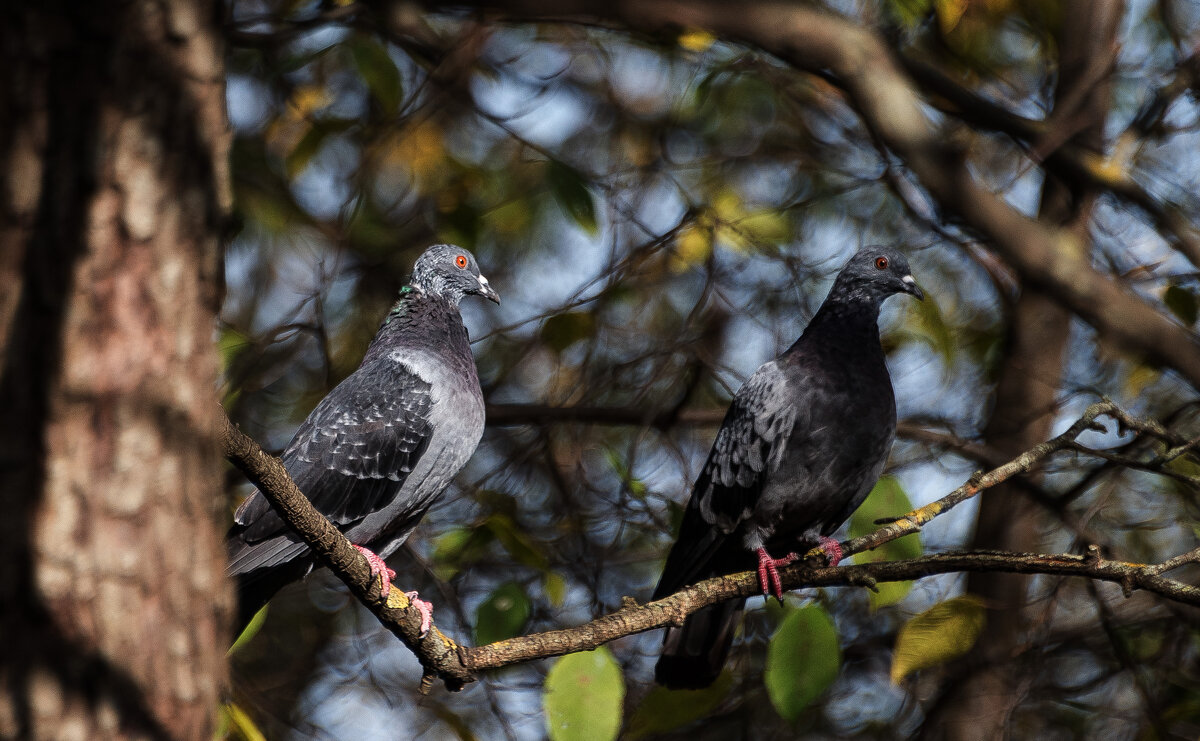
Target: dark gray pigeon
<point>801,446</point>
<point>384,444</point>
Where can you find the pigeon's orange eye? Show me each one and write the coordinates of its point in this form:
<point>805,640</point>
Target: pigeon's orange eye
<point>461,261</point>
<point>881,263</point>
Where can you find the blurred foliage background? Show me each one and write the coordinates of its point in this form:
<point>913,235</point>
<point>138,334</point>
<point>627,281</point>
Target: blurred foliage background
<point>662,213</point>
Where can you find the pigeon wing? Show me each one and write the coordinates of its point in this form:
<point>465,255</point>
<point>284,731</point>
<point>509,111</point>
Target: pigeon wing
<point>752,439</point>
<point>356,449</point>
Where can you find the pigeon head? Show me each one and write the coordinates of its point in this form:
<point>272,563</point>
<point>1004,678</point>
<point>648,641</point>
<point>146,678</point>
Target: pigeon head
<point>451,272</point>
<point>873,274</point>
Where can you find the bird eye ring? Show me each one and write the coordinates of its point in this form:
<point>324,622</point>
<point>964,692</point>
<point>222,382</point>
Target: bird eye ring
<point>881,263</point>
<point>461,261</point>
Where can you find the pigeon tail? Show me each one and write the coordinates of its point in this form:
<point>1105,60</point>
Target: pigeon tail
<point>694,654</point>
<point>256,588</point>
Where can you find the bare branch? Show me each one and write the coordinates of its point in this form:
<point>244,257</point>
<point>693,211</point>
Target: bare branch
<point>859,60</point>
<point>456,665</point>
<point>504,415</point>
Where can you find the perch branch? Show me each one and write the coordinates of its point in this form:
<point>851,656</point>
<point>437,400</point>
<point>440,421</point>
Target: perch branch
<point>456,665</point>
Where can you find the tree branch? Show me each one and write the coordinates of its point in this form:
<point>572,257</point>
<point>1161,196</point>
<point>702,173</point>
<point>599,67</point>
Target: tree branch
<point>859,60</point>
<point>456,665</point>
<point>505,415</point>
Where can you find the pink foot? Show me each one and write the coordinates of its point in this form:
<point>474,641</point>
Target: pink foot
<point>833,550</point>
<point>380,569</point>
<point>425,608</point>
<point>768,572</point>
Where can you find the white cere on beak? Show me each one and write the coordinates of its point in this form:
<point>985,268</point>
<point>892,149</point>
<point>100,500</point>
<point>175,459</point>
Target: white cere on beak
<point>913,288</point>
<point>488,292</point>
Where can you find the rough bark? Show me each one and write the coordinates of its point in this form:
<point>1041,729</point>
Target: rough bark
<point>979,705</point>
<point>113,145</point>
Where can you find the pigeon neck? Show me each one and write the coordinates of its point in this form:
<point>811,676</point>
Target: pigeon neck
<point>845,323</point>
<point>435,284</point>
<point>420,314</point>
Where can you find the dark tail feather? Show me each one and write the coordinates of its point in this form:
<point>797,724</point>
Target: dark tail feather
<point>694,655</point>
<point>256,588</point>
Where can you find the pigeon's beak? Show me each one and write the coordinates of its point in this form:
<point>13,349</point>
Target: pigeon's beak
<point>486,290</point>
<point>910,286</point>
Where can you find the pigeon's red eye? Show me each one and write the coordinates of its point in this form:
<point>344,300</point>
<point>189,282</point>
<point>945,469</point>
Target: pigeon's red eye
<point>461,261</point>
<point>881,263</point>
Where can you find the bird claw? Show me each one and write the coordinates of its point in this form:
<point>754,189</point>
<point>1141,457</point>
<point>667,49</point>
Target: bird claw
<point>423,607</point>
<point>768,573</point>
<point>378,568</point>
<point>832,549</point>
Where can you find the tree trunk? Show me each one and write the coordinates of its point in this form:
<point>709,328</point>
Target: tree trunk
<point>978,707</point>
<point>113,148</point>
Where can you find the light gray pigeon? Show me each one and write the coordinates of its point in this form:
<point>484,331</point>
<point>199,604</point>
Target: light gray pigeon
<point>801,446</point>
<point>376,453</point>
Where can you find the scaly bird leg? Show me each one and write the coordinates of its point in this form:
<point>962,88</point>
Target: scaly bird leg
<point>379,568</point>
<point>425,608</point>
<point>768,573</point>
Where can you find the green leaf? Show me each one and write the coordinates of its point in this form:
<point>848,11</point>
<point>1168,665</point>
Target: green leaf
<point>569,188</point>
<point>310,144</point>
<point>887,499</point>
<point>251,630</point>
<point>583,696</point>
<point>502,615</point>
<point>910,13</point>
<point>563,330</point>
<point>519,545</point>
<point>456,548</point>
<point>636,487</point>
<point>372,61</point>
<point>295,62</point>
<point>556,588</point>
<point>664,710</point>
<point>943,632</point>
<point>929,326</point>
<point>803,659</point>
<point>1182,304</point>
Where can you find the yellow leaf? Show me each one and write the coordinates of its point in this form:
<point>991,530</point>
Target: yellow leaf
<point>693,245</point>
<point>943,632</point>
<point>727,205</point>
<point>1139,378</point>
<point>696,39</point>
<point>764,226</point>
<point>418,148</point>
<point>242,723</point>
<point>949,13</point>
<point>306,99</point>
